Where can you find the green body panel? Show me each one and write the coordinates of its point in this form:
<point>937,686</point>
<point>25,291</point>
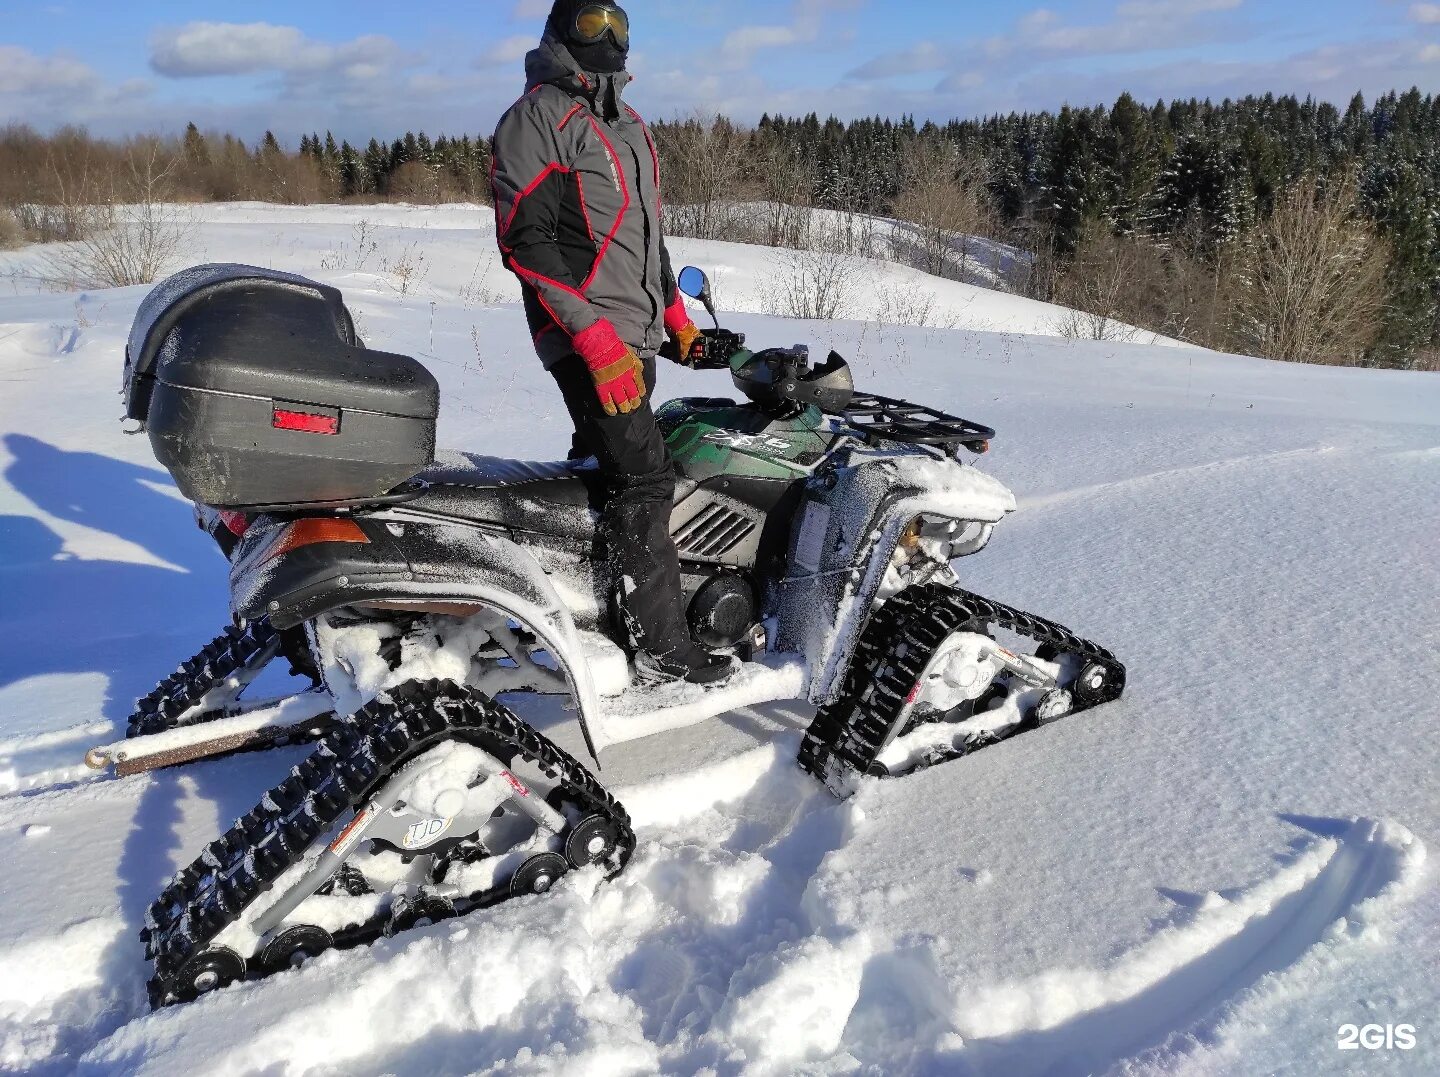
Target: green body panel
<point>709,438</point>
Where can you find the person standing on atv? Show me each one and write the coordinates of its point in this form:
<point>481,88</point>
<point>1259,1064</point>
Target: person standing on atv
<point>577,209</point>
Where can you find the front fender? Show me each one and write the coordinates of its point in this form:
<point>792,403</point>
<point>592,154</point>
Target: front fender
<point>850,524</point>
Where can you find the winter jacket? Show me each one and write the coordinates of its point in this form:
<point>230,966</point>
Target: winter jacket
<point>577,208</point>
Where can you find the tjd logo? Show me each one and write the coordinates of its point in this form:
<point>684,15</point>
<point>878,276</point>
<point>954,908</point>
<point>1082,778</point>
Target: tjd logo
<point>426,832</point>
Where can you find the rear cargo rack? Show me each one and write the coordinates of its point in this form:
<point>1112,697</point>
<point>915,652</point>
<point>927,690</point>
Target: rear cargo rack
<point>882,418</point>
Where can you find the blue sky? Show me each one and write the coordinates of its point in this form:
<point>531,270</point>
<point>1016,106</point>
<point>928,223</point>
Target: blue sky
<point>370,67</point>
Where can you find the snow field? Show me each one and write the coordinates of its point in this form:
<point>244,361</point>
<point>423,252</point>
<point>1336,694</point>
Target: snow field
<point>1210,876</point>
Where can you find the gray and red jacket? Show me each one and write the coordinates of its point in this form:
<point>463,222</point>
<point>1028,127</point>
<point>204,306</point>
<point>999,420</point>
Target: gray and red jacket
<point>577,213</point>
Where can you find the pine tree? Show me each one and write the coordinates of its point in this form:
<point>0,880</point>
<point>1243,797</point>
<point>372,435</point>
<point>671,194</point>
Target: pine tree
<point>1133,167</point>
<point>1198,196</point>
<point>1075,180</point>
<point>1395,195</point>
<point>197,150</point>
<point>351,170</point>
<point>376,167</point>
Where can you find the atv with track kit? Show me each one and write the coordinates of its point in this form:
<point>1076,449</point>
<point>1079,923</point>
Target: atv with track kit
<point>817,528</point>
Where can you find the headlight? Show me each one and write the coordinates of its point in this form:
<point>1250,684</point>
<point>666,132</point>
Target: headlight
<point>940,540</point>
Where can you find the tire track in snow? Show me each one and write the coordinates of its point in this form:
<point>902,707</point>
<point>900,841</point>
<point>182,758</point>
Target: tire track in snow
<point>1076,492</point>
<point>1170,993</point>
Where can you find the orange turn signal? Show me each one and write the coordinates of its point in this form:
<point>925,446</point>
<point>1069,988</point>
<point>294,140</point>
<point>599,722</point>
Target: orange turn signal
<point>310,532</point>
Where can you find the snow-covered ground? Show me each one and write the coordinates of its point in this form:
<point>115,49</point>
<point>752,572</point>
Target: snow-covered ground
<point>1212,876</point>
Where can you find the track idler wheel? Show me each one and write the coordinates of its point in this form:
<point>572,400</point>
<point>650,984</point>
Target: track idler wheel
<point>1097,684</point>
<point>593,839</point>
<point>293,947</point>
<point>1054,705</point>
<point>538,874</point>
<point>422,911</point>
<point>208,971</point>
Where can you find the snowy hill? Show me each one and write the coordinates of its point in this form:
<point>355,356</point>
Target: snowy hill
<point>1211,876</point>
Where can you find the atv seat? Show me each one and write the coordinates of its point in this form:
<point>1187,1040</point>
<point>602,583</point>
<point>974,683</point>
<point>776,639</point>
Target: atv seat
<point>542,498</point>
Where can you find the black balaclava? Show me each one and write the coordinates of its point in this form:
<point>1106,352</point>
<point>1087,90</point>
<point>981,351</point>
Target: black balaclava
<point>603,57</point>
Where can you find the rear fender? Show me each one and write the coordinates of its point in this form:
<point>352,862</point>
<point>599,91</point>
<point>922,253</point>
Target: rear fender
<point>279,571</point>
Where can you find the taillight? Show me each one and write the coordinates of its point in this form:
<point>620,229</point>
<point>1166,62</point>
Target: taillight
<point>306,422</point>
<point>315,530</point>
<point>237,523</point>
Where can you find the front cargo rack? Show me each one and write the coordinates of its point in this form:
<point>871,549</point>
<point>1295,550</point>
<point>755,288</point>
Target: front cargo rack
<point>882,418</point>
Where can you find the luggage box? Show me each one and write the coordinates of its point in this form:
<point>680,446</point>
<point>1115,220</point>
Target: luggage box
<point>257,393</point>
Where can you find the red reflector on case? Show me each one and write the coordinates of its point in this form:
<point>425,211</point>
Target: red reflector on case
<point>305,422</point>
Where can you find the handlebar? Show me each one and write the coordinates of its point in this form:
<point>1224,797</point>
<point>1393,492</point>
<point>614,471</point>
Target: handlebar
<point>720,346</point>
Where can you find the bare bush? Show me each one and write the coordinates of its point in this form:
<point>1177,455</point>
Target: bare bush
<point>357,254</point>
<point>704,159</point>
<point>293,181</point>
<point>480,291</point>
<point>845,232</point>
<point>409,267</point>
<point>1103,283</point>
<point>417,183</point>
<point>1115,284</point>
<point>785,179</point>
<point>816,285</point>
<point>943,202</point>
<point>1085,325</point>
<point>1310,282</point>
<point>905,305</point>
<point>123,233</point>
<point>11,234</point>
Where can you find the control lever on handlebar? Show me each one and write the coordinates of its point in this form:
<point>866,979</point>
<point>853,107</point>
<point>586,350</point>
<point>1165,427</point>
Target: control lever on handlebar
<point>715,349</point>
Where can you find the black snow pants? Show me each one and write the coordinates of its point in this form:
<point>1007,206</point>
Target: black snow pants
<point>635,506</point>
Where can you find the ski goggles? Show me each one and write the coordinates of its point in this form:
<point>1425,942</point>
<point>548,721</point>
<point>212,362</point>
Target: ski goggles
<point>594,22</point>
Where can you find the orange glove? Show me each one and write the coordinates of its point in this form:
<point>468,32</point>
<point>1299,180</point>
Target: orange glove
<point>617,371</point>
<point>685,338</point>
<point>681,329</point>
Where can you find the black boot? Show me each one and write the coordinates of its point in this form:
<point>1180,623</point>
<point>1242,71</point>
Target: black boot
<point>687,663</point>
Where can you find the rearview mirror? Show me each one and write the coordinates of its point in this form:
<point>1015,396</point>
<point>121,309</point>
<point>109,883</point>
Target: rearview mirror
<point>694,283</point>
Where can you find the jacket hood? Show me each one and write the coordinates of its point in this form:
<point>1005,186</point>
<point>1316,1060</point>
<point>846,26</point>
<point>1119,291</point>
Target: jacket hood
<point>552,64</point>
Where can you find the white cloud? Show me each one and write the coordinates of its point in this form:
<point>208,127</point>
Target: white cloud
<point>21,72</point>
<point>532,9</point>
<point>750,39</point>
<point>1330,73</point>
<point>1425,13</point>
<point>1042,36</point>
<point>809,18</point>
<point>45,91</point>
<point>509,50</point>
<point>1172,9</point>
<point>218,48</point>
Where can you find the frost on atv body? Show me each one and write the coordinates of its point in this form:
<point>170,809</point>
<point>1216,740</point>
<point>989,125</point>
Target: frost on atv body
<point>818,528</point>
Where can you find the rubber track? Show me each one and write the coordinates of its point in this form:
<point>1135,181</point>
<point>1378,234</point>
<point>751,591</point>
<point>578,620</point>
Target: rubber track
<point>849,734</point>
<point>224,656</point>
<point>361,752</point>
